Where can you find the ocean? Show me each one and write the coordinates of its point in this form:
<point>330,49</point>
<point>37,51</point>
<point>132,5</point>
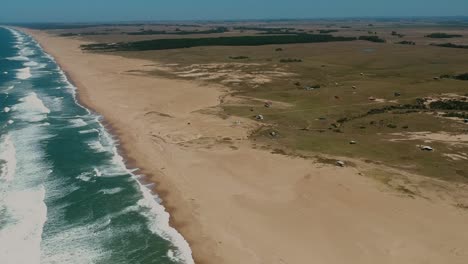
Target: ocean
<point>66,196</point>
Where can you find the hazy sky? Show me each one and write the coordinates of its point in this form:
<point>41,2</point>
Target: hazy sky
<point>128,10</point>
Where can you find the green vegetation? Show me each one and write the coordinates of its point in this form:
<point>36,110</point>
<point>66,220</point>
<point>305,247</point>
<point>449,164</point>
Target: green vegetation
<point>450,45</point>
<point>462,77</point>
<point>449,105</point>
<point>372,39</point>
<point>162,44</point>
<point>406,42</point>
<point>238,57</point>
<point>82,34</point>
<point>288,60</point>
<point>180,32</point>
<point>443,35</point>
<point>394,33</point>
<point>268,30</point>
<point>462,115</point>
<point>339,93</point>
<point>327,31</point>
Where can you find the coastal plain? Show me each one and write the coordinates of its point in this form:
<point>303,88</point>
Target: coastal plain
<point>245,189</point>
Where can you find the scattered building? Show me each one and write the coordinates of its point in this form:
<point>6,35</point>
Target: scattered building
<point>397,94</point>
<point>340,163</point>
<point>353,142</point>
<point>426,148</point>
<point>259,117</point>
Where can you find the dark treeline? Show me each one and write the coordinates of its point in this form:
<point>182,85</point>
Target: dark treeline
<point>269,30</point>
<point>162,44</point>
<point>406,42</point>
<point>82,34</point>
<point>263,28</point>
<point>449,105</point>
<point>327,31</point>
<point>394,33</point>
<point>180,32</point>
<point>46,26</point>
<point>443,35</point>
<point>450,45</point>
<point>372,39</point>
<point>462,77</point>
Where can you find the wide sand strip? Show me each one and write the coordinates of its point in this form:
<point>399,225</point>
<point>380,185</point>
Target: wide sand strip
<point>236,204</point>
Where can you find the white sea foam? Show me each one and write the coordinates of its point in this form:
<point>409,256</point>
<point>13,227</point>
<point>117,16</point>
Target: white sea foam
<point>159,217</point>
<point>31,64</point>
<point>96,146</point>
<point>9,88</point>
<point>24,74</point>
<point>85,176</point>
<point>22,198</point>
<point>97,172</point>
<point>31,108</point>
<point>78,122</point>
<point>88,131</point>
<point>85,239</point>
<point>8,156</point>
<point>35,104</point>
<point>20,241</point>
<point>18,58</point>
<point>10,122</point>
<point>6,109</point>
<point>111,191</point>
<point>26,52</point>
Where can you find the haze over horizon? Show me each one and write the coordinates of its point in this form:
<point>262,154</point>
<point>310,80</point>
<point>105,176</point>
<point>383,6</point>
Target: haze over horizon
<point>141,10</point>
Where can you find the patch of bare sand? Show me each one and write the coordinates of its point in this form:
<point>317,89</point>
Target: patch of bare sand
<point>247,100</point>
<point>456,156</point>
<point>230,72</point>
<point>428,137</point>
<point>245,205</point>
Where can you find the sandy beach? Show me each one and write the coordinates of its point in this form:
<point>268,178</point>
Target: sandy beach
<point>238,204</point>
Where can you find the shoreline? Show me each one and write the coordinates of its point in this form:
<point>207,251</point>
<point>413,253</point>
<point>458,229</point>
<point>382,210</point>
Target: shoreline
<point>146,176</point>
<point>238,206</point>
<point>142,177</point>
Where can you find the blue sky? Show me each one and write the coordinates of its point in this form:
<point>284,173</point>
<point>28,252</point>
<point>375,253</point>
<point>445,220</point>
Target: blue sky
<point>130,10</point>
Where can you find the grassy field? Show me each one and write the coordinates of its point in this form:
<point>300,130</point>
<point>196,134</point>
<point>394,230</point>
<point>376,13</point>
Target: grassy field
<point>357,80</point>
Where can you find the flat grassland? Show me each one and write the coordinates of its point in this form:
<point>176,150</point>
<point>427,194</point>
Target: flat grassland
<point>327,96</point>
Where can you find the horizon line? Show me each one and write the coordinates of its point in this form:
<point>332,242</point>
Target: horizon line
<point>241,19</point>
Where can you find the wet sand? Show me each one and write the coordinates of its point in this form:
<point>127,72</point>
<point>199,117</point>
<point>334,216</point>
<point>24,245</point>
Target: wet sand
<point>238,204</point>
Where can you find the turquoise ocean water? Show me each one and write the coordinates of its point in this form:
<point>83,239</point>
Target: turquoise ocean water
<point>65,193</point>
